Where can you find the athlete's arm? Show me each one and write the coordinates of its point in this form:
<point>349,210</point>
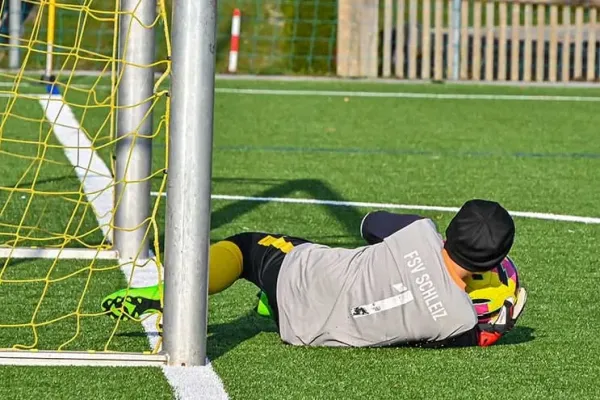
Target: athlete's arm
<point>485,335</point>
<point>473,337</point>
<point>510,312</point>
<point>377,225</point>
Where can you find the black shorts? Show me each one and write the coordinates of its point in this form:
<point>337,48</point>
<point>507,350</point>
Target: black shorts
<point>263,255</point>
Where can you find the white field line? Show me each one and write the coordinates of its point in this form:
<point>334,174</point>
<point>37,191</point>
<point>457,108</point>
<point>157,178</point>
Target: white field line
<point>188,383</point>
<point>334,79</point>
<point>290,200</point>
<point>380,95</point>
<point>93,173</point>
<point>407,95</point>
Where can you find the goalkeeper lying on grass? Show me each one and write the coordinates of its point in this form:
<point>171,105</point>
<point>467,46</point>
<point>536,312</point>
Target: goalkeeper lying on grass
<point>407,287</point>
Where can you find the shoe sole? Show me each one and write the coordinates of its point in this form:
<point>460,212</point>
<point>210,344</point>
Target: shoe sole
<point>141,305</point>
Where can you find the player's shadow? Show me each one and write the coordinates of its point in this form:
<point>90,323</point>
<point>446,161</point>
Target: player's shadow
<point>226,336</point>
<point>519,334</point>
<point>348,216</point>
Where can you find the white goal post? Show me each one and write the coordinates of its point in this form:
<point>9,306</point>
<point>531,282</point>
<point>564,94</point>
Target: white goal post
<point>189,181</point>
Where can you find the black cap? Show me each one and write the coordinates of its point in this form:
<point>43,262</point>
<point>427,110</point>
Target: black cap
<point>480,235</point>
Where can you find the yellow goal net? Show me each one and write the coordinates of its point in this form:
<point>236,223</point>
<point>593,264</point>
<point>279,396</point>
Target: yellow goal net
<point>83,150</point>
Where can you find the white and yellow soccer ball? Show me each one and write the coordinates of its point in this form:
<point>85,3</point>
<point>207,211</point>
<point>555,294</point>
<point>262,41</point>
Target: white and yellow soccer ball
<point>490,289</point>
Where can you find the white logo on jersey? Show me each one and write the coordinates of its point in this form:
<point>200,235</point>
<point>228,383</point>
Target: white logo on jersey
<point>404,297</point>
<point>426,286</point>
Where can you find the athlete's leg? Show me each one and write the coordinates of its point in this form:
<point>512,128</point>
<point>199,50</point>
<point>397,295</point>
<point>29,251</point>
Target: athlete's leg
<point>263,255</point>
<point>225,267</point>
<point>254,256</point>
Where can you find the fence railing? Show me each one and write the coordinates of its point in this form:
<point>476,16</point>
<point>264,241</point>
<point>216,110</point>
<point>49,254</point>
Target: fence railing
<point>493,40</point>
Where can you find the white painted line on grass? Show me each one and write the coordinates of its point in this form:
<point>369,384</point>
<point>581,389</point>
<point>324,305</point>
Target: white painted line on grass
<point>391,95</point>
<point>407,95</point>
<point>95,177</point>
<point>195,383</point>
<point>143,275</point>
<point>34,74</point>
<point>190,382</point>
<point>291,200</point>
<point>363,94</point>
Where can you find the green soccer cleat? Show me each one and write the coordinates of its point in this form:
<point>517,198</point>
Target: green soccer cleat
<point>262,308</point>
<point>133,302</point>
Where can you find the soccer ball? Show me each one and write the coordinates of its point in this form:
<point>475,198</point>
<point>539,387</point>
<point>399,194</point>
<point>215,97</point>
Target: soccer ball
<point>490,289</point>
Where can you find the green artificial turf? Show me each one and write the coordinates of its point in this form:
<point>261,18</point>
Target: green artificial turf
<point>535,156</point>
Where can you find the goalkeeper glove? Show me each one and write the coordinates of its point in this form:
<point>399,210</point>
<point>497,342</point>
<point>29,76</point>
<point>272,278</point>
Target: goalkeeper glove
<point>510,312</point>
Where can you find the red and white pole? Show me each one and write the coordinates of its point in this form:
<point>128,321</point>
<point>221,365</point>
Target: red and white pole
<point>235,40</point>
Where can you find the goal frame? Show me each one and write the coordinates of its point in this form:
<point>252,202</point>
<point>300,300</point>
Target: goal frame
<point>187,225</point>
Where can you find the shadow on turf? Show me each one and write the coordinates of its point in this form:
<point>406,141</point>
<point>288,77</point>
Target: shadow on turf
<point>519,334</point>
<point>225,337</point>
<point>349,217</point>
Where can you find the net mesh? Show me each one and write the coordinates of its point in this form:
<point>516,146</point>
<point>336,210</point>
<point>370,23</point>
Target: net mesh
<point>57,181</point>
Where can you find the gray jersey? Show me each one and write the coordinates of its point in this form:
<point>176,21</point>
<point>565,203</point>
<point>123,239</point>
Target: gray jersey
<point>393,292</point>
